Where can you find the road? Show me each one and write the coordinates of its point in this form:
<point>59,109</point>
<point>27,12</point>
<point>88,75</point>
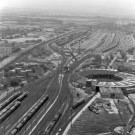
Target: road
<point>131,122</point>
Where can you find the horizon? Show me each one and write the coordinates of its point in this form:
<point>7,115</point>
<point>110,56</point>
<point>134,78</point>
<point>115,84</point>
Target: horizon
<point>124,8</point>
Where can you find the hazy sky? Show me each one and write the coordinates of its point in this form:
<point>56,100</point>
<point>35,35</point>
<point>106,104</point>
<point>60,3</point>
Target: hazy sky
<point>110,7</point>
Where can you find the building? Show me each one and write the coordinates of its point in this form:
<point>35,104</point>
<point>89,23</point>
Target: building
<point>5,50</point>
<point>89,83</point>
<point>31,65</point>
<point>23,73</point>
<point>109,92</point>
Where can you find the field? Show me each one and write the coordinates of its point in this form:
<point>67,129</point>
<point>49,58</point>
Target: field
<point>90,123</point>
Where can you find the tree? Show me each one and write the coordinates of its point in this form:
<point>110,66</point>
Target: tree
<point>15,81</point>
<point>130,51</point>
<point>78,95</point>
<point>111,56</point>
<point>107,58</point>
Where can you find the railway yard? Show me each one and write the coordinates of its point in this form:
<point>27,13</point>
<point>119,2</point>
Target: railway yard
<point>71,84</point>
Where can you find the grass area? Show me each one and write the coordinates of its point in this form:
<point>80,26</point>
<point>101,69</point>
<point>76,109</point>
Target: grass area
<point>90,123</point>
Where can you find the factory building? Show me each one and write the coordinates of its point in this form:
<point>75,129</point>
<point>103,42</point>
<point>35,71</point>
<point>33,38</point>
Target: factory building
<point>109,92</point>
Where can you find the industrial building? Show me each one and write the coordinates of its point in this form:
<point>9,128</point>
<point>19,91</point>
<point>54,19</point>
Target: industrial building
<point>109,92</point>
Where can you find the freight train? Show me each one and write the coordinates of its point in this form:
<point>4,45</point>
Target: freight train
<point>29,115</point>
<point>52,123</point>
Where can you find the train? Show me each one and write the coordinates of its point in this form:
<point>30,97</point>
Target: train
<point>52,123</point>
<point>29,115</point>
<point>7,111</point>
<point>9,100</point>
<point>74,106</point>
<point>13,103</point>
<point>21,97</point>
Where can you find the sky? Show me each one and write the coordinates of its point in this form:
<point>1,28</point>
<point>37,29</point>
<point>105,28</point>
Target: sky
<point>108,7</point>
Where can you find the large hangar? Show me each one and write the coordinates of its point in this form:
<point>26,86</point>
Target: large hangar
<point>108,78</point>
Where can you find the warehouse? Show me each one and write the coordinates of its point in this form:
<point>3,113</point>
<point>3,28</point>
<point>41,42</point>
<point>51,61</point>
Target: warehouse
<point>109,92</point>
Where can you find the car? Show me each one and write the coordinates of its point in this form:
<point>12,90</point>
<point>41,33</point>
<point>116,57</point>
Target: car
<point>91,108</point>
